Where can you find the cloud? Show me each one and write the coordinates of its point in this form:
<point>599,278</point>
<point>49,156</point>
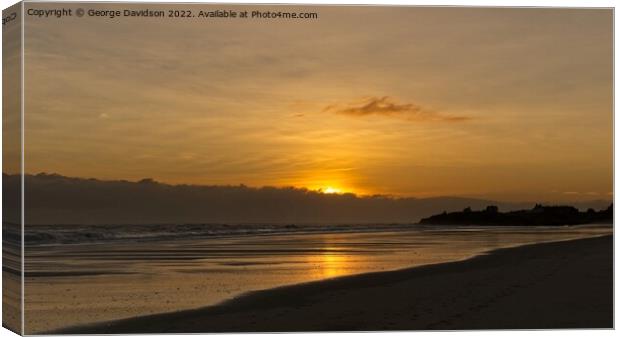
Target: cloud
<point>57,199</point>
<point>385,106</point>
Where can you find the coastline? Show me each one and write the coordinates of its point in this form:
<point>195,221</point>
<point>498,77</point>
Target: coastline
<point>564,284</point>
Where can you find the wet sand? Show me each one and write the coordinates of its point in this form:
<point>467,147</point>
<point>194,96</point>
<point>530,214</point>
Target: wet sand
<point>86,283</point>
<point>566,284</point>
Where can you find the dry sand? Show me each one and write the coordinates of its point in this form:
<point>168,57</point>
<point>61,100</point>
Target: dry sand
<point>553,285</point>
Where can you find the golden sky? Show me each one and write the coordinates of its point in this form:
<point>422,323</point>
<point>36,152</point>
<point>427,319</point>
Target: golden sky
<point>509,104</point>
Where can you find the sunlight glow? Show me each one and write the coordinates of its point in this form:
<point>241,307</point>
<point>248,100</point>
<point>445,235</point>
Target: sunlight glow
<point>331,190</point>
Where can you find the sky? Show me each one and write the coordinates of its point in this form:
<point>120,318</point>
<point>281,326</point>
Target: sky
<point>506,104</point>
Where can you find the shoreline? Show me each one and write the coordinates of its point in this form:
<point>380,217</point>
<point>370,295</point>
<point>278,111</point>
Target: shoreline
<point>561,284</point>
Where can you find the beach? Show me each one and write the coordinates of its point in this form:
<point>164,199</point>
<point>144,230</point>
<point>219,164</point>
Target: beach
<point>82,275</point>
<point>565,284</point>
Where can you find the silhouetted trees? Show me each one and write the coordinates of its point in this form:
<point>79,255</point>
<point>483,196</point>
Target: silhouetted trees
<point>538,216</point>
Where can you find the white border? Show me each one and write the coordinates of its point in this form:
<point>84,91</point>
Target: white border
<point>23,170</point>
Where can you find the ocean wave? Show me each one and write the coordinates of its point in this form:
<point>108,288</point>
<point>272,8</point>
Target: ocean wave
<point>78,234</point>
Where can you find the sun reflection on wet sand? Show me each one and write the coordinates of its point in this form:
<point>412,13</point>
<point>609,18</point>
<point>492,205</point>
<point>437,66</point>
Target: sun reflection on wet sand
<point>332,261</point>
<point>331,264</point>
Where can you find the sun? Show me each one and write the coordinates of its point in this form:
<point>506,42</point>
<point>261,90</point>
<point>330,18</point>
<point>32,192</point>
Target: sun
<point>331,190</point>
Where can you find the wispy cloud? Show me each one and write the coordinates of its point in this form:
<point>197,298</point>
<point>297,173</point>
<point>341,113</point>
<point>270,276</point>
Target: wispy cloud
<point>385,106</point>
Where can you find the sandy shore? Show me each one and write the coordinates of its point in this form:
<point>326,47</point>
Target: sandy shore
<point>553,285</point>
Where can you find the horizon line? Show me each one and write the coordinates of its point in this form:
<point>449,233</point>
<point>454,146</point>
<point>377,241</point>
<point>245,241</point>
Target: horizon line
<point>319,191</point>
